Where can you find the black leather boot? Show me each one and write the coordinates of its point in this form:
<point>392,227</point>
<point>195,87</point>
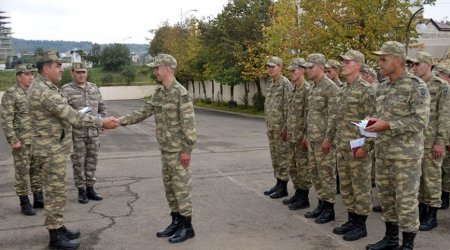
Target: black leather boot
<point>377,209</point>
<point>316,212</point>
<point>358,230</point>
<point>172,228</point>
<point>59,241</point>
<point>82,198</point>
<point>25,205</point>
<point>445,200</point>
<point>430,221</point>
<point>281,191</point>
<point>423,211</point>
<point>301,202</point>
<point>92,195</point>
<point>390,240</point>
<point>292,198</point>
<point>38,200</point>
<point>70,234</point>
<point>347,226</point>
<point>268,192</point>
<point>338,183</point>
<point>184,232</point>
<point>327,215</point>
<point>408,240</point>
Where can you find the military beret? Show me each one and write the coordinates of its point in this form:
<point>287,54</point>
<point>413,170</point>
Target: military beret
<point>48,56</point>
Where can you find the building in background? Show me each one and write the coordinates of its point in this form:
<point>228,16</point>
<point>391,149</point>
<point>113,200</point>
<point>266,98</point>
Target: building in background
<point>434,39</point>
<point>6,48</point>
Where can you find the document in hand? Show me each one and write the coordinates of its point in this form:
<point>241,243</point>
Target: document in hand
<point>85,110</point>
<point>356,144</point>
<point>362,125</point>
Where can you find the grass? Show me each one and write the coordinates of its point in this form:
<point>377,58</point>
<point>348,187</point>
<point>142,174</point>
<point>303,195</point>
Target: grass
<point>7,79</point>
<point>226,107</point>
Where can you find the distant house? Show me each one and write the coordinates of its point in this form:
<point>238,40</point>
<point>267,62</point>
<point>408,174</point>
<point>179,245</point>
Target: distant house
<point>76,57</point>
<point>435,39</point>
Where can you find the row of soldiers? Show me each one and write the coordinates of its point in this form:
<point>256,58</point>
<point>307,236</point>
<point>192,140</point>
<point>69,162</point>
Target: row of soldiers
<point>309,127</point>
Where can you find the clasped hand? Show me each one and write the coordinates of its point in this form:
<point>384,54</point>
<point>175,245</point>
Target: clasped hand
<point>110,122</point>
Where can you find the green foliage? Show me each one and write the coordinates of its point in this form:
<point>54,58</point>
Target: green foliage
<point>107,78</point>
<point>258,101</point>
<point>7,79</point>
<point>66,76</point>
<point>115,56</point>
<point>129,73</point>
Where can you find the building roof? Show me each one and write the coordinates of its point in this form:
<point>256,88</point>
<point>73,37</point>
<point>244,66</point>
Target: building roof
<point>441,26</point>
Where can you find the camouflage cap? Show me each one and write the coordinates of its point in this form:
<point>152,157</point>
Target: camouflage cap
<point>353,55</point>
<point>163,59</point>
<point>408,59</point>
<point>422,56</point>
<point>295,63</point>
<point>274,60</point>
<point>79,66</point>
<point>442,69</point>
<point>315,58</point>
<point>332,64</point>
<point>391,48</point>
<point>48,56</point>
<point>23,68</point>
<point>367,69</point>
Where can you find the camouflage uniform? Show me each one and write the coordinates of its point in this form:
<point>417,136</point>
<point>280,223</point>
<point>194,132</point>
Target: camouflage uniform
<point>335,64</point>
<point>86,141</point>
<point>175,132</point>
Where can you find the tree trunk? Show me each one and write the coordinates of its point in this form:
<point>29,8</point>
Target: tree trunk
<point>221,92</point>
<point>212,90</point>
<point>204,89</point>
<point>193,89</point>
<point>258,86</point>
<point>232,92</point>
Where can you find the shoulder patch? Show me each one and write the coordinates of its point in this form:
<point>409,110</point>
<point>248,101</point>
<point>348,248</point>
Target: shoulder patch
<point>445,90</point>
<point>423,92</point>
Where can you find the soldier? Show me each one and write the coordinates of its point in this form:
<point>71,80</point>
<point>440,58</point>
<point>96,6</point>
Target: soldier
<point>52,119</point>
<point>320,129</point>
<point>16,125</point>
<point>332,69</point>
<point>296,124</point>
<point>436,139</point>
<point>175,130</point>
<point>81,94</point>
<point>355,103</point>
<point>277,92</point>
<point>403,107</point>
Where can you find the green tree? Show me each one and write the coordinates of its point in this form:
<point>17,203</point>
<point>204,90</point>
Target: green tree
<point>115,56</point>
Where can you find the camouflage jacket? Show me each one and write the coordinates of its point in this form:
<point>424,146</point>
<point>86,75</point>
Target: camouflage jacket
<point>52,119</point>
<point>275,105</point>
<point>174,118</point>
<point>295,121</point>
<point>437,129</point>
<point>356,102</point>
<point>405,104</point>
<point>16,116</point>
<point>341,85</point>
<point>89,96</point>
<point>321,113</point>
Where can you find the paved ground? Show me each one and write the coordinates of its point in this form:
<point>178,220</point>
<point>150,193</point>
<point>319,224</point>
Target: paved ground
<point>231,168</point>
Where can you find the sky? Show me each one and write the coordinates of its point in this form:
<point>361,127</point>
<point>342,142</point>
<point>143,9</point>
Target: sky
<point>124,21</point>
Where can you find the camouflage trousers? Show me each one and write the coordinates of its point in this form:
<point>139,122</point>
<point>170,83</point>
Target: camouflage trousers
<point>398,188</point>
<point>431,180</point>
<point>84,160</point>
<point>55,193</point>
<point>322,169</point>
<point>25,169</point>
<point>279,151</point>
<point>298,167</point>
<point>355,181</point>
<point>177,183</point>
<point>446,173</point>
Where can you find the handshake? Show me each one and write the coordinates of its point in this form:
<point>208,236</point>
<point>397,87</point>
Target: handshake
<point>110,122</point>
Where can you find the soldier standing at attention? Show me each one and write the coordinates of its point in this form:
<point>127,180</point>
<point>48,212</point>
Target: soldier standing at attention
<point>80,94</point>
<point>436,139</point>
<point>16,125</point>
<point>296,124</point>
<point>320,129</point>
<point>176,134</point>
<point>277,92</point>
<point>52,120</point>
<point>402,111</point>
<point>332,69</point>
<point>355,103</point>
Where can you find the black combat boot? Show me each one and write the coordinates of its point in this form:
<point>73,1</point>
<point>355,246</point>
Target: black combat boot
<point>358,230</point>
<point>445,200</point>
<point>70,234</point>
<point>25,205</point>
<point>92,195</point>
<point>347,226</point>
<point>301,202</point>
<point>268,192</point>
<point>82,198</point>
<point>390,240</point>
<point>408,240</point>
<point>430,221</point>
<point>281,191</point>
<point>38,200</point>
<point>59,241</point>
<point>292,198</point>
<point>423,211</point>
<point>377,209</point>
<point>327,215</point>
<point>185,231</point>
<point>172,228</point>
<point>316,212</point>
<point>338,183</point>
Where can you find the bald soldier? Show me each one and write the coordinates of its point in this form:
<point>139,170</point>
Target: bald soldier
<point>402,113</point>
<point>16,124</point>
<point>436,138</point>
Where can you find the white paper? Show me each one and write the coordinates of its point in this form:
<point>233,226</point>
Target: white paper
<point>357,143</point>
<point>85,110</point>
<point>362,125</point>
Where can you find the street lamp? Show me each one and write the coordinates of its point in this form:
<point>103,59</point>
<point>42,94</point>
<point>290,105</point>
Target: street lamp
<point>420,27</point>
<point>185,13</point>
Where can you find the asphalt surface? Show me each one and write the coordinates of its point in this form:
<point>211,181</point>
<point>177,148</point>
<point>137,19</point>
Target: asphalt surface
<point>231,167</point>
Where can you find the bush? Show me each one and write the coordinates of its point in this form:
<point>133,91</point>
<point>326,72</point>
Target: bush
<point>129,73</point>
<point>66,76</point>
<point>232,104</point>
<point>107,78</point>
<point>258,101</point>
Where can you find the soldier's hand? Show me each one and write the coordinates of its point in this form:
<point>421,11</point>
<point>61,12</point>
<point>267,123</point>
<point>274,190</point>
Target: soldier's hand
<point>185,159</point>
<point>16,146</point>
<point>378,126</point>
<point>283,135</point>
<point>360,153</point>
<point>437,151</point>
<point>305,145</point>
<point>110,122</point>
<point>326,146</point>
